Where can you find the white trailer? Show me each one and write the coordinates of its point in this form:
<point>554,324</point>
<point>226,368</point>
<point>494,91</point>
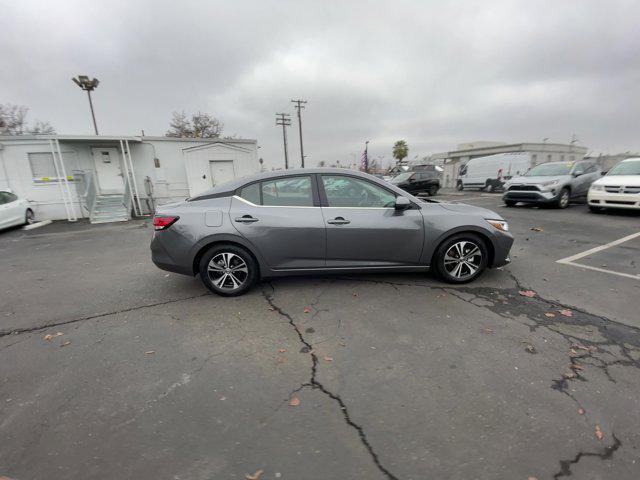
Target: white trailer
<point>489,173</point>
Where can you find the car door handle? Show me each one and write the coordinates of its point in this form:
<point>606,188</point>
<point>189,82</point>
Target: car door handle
<point>246,219</point>
<point>338,221</point>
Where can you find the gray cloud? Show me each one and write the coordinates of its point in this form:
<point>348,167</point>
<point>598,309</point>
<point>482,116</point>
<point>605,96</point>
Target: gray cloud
<point>434,73</point>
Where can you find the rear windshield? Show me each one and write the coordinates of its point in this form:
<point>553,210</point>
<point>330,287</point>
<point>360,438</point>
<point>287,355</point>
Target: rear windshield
<point>626,168</point>
<point>550,170</point>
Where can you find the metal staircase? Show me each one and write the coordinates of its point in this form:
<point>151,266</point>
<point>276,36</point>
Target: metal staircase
<point>109,208</point>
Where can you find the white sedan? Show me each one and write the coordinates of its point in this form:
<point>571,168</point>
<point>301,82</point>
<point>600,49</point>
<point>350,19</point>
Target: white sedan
<point>14,210</point>
<point>619,188</point>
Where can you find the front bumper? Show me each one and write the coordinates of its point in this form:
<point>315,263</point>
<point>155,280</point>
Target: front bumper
<point>502,243</point>
<point>613,200</point>
<point>532,196</point>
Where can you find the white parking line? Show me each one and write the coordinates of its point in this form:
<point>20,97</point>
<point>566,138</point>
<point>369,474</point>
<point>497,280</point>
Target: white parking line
<point>572,259</point>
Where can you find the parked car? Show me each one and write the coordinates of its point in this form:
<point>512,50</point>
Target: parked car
<point>489,173</point>
<point>619,188</point>
<point>553,183</point>
<point>418,182</point>
<point>333,221</point>
<point>14,210</point>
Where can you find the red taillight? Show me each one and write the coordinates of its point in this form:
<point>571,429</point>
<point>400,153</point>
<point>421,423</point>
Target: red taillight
<point>162,222</point>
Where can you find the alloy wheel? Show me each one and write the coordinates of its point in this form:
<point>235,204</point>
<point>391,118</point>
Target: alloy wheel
<point>564,199</point>
<point>30,217</point>
<point>463,259</point>
<point>228,271</point>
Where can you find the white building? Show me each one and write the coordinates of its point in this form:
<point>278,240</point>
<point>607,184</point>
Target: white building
<point>538,152</point>
<point>107,178</point>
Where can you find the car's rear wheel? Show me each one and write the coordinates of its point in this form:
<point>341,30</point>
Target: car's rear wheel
<point>509,203</point>
<point>459,186</point>
<point>29,217</point>
<point>228,270</point>
<point>461,258</point>
<point>563,198</point>
<point>433,190</point>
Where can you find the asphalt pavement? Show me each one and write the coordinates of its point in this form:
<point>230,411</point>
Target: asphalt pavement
<point>111,368</point>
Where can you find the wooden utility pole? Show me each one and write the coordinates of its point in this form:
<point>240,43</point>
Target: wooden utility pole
<point>299,104</point>
<point>284,120</point>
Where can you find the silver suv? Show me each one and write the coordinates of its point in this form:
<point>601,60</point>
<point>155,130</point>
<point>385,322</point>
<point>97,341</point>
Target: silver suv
<point>553,183</point>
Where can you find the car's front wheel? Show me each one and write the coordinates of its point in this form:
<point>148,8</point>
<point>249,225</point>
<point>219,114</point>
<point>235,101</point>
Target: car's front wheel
<point>433,190</point>
<point>563,198</point>
<point>461,258</point>
<point>228,270</point>
<point>29,217</point>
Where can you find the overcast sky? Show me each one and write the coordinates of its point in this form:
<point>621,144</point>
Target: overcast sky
<point>434,73</point>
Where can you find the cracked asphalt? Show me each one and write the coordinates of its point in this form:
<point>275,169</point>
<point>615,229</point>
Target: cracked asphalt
<point>397,376</point>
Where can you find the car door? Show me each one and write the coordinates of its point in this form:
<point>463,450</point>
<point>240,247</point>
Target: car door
<point>581,180</point>
<point>282,218</point>
<point>4,210</point>
<point>15,209</point>
<point>363,227</point>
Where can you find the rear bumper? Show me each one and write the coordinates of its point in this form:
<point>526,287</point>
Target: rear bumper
<point>614,200</point>
<point>163,260</point>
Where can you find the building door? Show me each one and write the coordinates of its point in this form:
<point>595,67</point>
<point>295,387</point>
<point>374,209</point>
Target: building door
<point>220,172</point>
<point>108,170</point>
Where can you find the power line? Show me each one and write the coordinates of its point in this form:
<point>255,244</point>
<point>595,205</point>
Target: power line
<point>284,120</point>
<point>299,105</point>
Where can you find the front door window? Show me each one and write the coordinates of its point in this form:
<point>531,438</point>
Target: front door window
<point>343,191</point>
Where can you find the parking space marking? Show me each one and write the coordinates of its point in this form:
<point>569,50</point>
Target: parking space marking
<point>572,259</point>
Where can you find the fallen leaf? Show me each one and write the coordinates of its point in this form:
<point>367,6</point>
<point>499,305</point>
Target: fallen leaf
<point>527,293</point>
<point>530,348</point>
<point>599,433</point>
<point>282,350</point>
<point>536,229</point>
<point>65,343</point>
<point>581,411</point>
<point>150,352</point>
<point>294,402</point>
<point>487,330</point>
<point>531,478</point>
<point>566,313</point>
<point>569,374</point>
<point>576,366</point>
<point>271,308</point>
<point>307,309</point>
<point>549,315</point>
<point>328,359</point>
<point>48,337</point>
<point>355,294</point>
<point>255,476</point>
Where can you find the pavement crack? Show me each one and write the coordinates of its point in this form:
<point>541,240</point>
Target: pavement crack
<point>565,465</point>
<point>17,331</point>
<point>315,384</point>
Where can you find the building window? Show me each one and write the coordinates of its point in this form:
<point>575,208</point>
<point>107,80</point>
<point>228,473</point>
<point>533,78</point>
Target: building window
<point>562,158</point>
<point>43,169</point>
<point>572,158</point>
<point>534,159</point>
<point>548,158</point>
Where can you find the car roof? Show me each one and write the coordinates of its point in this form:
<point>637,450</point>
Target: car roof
<point>635,159</point>
<point>233,185</point>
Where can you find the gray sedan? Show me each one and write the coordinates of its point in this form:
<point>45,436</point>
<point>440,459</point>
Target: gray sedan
<point>322,221</point>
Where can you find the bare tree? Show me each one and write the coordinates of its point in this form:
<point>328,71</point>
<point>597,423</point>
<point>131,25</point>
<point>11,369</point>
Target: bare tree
<point>41,128</point>
<point>13,119</point>
<point>201,125</point>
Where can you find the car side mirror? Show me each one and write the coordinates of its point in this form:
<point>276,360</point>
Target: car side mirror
<point>603,173</point>
<point>411,179</point>
<point>402,203</point>
<point>576,174</point>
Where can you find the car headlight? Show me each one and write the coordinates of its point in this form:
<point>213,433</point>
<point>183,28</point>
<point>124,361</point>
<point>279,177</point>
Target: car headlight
<point>597,188</point>
<point>499,224</point>
<point>551,183</point>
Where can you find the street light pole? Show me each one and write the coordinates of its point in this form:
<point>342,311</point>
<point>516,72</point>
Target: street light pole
<point>88,85</point>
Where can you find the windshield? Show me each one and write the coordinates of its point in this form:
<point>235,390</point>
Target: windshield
<point>402,177</point>
<point>550,170</point>
<point>626,168</point>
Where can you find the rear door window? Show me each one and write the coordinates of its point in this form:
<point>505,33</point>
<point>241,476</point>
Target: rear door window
<point>288,192</point>
<point>251,193</point>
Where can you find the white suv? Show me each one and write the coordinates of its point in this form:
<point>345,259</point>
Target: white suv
<point>619,188</point>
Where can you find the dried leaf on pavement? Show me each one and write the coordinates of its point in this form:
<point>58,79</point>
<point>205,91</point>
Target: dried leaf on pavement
<point>65,343</point>
<point>581,411</point>
<point>487,330</point>
<point>307,309</point>
<point>282,350</point>
<point>549,315</point>
<point>48,337</point>
<point>566,313</point>
<point>255,476</point>
<point>599,433</point>
<point>328,359</point>
<point>536,229</point>
<point>150,352</point>
<point>527,293</point>
<point>530,348</point>
<point>294,402</point>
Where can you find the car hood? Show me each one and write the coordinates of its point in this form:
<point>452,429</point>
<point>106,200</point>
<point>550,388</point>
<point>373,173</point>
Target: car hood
<point>471,209</point>
<point>537,180</point>
<point>618,180</point>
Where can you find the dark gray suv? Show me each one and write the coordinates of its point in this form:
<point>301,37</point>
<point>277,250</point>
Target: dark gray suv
<point>322,221</point>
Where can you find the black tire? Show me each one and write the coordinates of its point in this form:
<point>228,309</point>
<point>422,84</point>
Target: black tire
<point>594,209</point>
<point>433,191</point>
<point>459,186</point>
<point>449,250</point>
<point>563,198</point>
<point>489,187</point>
<point>29,217</point>
<point>509,203</point>
<point>228,263</point>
